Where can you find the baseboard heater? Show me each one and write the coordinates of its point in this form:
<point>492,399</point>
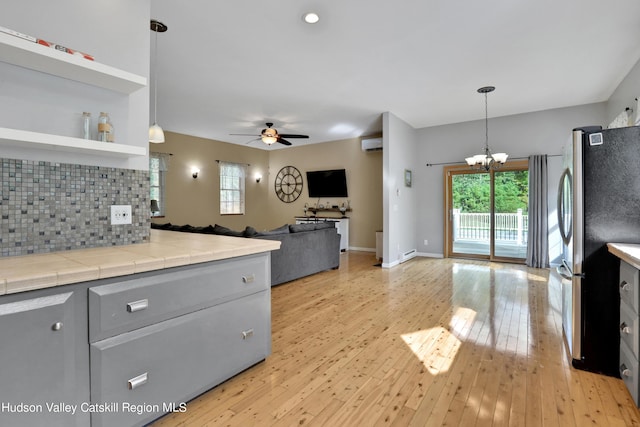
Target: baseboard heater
<point>408,255</point>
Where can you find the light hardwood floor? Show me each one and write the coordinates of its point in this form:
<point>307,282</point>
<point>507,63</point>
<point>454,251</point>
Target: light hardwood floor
<point>431,342</point>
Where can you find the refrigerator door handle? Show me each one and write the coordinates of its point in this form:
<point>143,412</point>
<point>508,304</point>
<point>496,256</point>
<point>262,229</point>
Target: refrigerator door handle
<point>566,230</point>
<point>564,270</point>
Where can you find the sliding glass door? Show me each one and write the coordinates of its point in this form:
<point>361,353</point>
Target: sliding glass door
<point>487,212</point>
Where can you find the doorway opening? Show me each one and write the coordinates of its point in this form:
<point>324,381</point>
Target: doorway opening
<point>487,213</point>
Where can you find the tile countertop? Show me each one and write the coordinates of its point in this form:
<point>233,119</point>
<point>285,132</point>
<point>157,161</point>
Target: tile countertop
<point>165,249</point>
<point>627,252</point>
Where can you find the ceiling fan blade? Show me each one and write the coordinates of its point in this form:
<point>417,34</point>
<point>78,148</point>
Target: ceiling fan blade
<point>244,134</point>
<point>283,141</point>
<point>253,140</point>
<point>292,135</point>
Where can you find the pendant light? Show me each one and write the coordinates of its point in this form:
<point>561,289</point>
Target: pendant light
<point>486,161</point>
<point>156,134</point>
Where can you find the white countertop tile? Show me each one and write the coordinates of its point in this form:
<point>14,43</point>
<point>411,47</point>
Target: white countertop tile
<point>166,249</point>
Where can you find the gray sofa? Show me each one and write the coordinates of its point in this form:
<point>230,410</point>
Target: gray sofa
<point>305,249</point>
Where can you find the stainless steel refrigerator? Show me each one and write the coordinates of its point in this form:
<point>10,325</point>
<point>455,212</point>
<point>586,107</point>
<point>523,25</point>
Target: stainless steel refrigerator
<point>598,203</point>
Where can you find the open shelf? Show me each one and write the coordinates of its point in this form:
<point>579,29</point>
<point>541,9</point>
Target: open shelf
<point>316,210</point>
<point>34,56</point>
<point>45,141</point>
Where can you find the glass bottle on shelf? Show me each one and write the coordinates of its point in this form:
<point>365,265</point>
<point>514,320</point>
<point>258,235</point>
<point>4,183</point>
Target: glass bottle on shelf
<point>86,125</point>
<point>111,136</point>
<point>104,127</point>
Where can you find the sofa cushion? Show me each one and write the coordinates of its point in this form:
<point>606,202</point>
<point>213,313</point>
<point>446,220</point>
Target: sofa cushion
<point>324,224</point>
<point>280,230</point>
<point>224,231</point>
<point>297,228</point>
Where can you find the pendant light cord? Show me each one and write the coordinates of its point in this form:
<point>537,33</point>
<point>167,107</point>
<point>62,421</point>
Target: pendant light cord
<point>155,82</point>
<point>486,125</point>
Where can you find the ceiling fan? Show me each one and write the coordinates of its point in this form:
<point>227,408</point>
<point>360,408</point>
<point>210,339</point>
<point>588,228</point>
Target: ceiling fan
<point>270,136</point>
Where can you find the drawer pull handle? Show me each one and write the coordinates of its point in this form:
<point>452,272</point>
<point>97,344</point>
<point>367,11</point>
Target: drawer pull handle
<point>624,371</point>
<point>247,334</point>
<point>249,278</point>
<point>624,286</point>
<point>138,381</point>
<point>624,328</point>
<point>57,326</point>
<point>134,306</point>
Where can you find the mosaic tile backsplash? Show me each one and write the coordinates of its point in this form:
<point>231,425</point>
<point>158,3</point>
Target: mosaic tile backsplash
<point>50,207</point>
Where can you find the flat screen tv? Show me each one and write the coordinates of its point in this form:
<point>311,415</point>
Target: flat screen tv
<point>329,183</point>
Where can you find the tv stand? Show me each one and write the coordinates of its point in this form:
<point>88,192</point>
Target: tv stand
<point>342,224</point>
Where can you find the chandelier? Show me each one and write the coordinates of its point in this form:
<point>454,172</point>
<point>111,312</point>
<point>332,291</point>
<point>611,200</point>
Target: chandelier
<point>487,160</point>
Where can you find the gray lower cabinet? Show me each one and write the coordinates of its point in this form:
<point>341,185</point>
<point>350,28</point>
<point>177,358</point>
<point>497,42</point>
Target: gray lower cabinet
<point>158,340</point>
<point>630,329</point>
<point>153,370</point>
<point>44,358</point>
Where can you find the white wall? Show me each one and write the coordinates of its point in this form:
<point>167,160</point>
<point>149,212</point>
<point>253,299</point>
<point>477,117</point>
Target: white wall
<point>117,34</point>
<point>520,135</point>
<point>399,202</point>
<point>625,95</point>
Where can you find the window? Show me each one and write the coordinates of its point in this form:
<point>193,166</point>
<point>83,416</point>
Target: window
<point>232,188</point>
<point>158,165</point>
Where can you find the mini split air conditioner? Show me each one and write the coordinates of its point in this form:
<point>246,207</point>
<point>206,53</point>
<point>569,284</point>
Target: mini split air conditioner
<point>372,144</point>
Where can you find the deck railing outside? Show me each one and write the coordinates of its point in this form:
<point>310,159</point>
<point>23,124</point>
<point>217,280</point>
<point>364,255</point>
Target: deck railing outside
<point>510,227</point>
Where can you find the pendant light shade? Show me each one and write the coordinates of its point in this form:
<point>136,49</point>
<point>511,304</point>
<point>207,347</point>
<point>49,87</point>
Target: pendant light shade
<point>156,134</point>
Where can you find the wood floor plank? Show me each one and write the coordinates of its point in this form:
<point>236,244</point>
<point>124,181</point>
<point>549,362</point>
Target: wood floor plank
<point>430,342</point>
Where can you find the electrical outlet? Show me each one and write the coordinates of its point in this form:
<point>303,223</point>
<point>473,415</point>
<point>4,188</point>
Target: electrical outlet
<point>120,214</point>
<point>426,242</point>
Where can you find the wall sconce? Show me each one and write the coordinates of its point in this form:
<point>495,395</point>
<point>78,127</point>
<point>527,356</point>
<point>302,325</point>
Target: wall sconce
<point>194,172</point>
<point>258,177</point>
<point>154,207</point>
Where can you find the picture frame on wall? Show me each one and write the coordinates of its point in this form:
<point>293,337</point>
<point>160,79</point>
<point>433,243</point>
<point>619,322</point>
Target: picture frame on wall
<point>407,178</point>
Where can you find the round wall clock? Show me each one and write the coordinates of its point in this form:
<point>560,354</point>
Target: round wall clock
<point>288,184</point>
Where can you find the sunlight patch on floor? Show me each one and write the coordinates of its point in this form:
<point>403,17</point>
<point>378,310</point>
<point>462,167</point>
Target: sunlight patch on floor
<point>437,347</point>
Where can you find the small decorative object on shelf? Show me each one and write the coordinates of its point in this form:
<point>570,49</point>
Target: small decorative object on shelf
<point>104,128</point>
<point>86,125</point>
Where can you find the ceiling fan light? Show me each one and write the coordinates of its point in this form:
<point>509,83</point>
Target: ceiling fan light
<point>311,17</point>
<point>269,139</point>
<point>156,134</point>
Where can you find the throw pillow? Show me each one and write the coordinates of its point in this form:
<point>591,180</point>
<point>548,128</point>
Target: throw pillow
<point>224,231</point>
<point>250,231</point>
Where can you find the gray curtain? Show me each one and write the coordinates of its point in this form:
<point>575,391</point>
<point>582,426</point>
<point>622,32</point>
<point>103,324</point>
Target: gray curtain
<point>537,244</point>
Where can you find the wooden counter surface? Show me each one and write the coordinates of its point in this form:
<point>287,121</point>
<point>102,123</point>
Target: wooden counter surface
<point>627,252</point>
<point>165,249</point>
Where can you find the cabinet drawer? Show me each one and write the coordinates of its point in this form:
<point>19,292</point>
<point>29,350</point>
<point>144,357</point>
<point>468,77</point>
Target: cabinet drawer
<point>629,285</point>
<point>629,371</point>
<point>175,360</point>
<point>125,305</point>
<point>629,327</point>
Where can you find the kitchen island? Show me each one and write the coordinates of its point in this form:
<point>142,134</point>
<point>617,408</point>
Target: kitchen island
<point>121,335</point>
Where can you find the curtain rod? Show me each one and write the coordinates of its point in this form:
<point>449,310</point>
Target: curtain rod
<point>512,158</point>
<point>218,161</point>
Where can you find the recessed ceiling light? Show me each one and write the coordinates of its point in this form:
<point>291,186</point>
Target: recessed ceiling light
<point>311,18</point>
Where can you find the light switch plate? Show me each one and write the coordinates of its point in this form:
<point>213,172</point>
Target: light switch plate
<point>120,214</point>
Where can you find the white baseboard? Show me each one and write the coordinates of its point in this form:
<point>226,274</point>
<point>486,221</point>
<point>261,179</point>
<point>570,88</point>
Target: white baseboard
<point>390,265</point>
<point>430,255</point>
